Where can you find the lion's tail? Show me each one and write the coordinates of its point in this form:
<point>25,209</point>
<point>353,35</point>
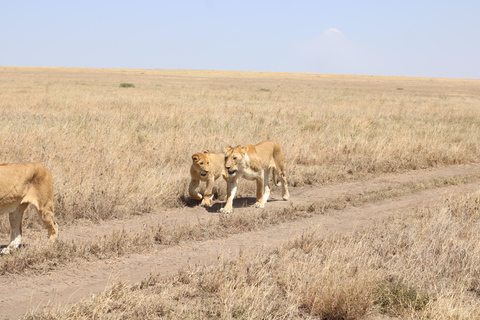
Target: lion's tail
<point>276,179</point>
<point>279,158</point>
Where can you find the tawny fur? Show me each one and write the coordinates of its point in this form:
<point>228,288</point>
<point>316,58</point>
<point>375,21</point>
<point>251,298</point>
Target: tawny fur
<point>22,184</point>
<point>254,163</point>
<point>207,167</point>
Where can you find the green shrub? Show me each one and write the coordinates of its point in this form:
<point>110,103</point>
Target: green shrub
<point>395,297</point>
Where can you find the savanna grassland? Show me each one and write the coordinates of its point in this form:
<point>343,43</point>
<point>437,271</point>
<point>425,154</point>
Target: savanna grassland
<point>117,150</point>
<point>119,143</point>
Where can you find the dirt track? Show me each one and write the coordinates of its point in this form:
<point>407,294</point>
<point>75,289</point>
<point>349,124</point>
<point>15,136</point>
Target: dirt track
<point>73,282</point>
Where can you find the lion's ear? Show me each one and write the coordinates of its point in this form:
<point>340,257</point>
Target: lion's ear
<point>244,149</point>
<point>195,157</point>
<point>226,149</point>
<point>206,151</point>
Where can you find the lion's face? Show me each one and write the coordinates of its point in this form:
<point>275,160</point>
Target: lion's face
<point>201,163</point>
<point>233,158</point>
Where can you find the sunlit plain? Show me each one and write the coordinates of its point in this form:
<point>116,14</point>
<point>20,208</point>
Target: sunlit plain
<point>116,151</point>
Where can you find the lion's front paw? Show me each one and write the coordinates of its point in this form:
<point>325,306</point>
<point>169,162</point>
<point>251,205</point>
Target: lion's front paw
<point>196,196</point>
<point>259,205</point>
<point>206,202</point>
<point>224,210</point>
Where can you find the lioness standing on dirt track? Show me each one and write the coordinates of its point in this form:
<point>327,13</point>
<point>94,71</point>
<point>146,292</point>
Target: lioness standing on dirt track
<point>22,184</point>
<point>254,163</point>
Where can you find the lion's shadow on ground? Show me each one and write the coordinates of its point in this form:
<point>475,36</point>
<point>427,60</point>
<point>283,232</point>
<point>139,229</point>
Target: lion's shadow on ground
<point>237,203</point>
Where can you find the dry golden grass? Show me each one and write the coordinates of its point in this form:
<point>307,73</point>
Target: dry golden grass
<point>116,151</point>
<point>423,265</point>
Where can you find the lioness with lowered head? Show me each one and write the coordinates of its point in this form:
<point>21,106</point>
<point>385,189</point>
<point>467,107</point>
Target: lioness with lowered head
<point>254,163</point>
<point>208,167</point>
<point>22,184</point>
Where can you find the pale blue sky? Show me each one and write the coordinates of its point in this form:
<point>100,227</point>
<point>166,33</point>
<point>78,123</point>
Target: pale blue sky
<point>405,38</point>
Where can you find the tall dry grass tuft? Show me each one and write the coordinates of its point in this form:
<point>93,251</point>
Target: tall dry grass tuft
<point>41,257</point>
<point>324,283</point>
<point>115,152</point>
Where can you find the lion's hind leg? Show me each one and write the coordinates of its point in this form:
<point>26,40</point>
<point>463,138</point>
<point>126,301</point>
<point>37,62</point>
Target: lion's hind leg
<point>263,191</point>
<point>40,195</point>
<point>285,193</point>
<point>280,174</point>
<point>279,160</point>
<point>15,218</point>
<point>275,178</point>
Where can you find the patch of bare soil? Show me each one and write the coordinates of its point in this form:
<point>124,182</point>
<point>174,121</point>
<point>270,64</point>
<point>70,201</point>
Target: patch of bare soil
<point>29,293</point>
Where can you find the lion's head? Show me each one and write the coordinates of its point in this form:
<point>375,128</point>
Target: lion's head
<point>234,157</point>
<point>201,163</point>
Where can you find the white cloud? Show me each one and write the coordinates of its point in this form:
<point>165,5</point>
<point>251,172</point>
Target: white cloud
<point>333,52</point>
<point>332,30</point>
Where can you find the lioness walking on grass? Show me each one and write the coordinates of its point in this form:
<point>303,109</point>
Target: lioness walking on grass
<point>22,184</point>
<point>254,163</point>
